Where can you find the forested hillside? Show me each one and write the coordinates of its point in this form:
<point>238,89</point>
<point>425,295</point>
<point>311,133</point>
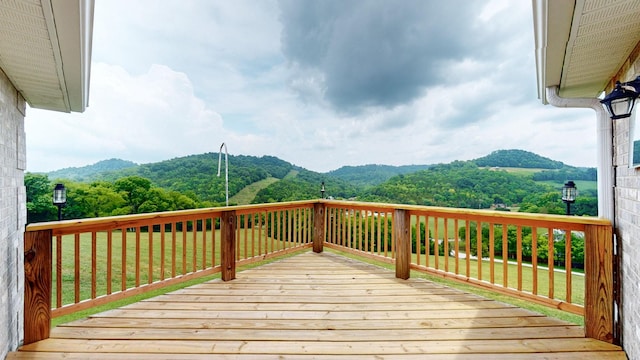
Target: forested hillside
<point>304,186</point>
<point>192,181</point>
<point>89,172</point>
<point>181,183</point>
<point>196,175</point>
<point>518,159</point>
<point>553,170</point>
<point>371,175</point>
<point>566,173</point>
<point>458,184</point>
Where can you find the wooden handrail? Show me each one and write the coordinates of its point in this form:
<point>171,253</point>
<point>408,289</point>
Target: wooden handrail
<point>351,223</point>
<point>87,257</point>
<point>148,251</point>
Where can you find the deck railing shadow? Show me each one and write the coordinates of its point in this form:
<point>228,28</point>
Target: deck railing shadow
<point>78,264</point>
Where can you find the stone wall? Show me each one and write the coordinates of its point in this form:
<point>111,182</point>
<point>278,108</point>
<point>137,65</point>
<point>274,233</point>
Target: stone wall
<point>12,215</point>
<point>627,198</point>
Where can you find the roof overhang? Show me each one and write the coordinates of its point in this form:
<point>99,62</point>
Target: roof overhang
<point>582,44</point>
<point>45,51</point>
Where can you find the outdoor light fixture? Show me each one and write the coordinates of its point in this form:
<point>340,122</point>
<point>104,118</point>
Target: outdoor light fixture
<point>59,198</point>
<point>322,190</point>
<point>620,101</point>
<point>569,193</point>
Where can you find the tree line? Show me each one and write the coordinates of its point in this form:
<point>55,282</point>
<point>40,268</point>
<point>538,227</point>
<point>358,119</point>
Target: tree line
<point>127,195</point>
<point>191,182</point>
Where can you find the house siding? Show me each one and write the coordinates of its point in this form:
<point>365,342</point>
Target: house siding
<point>627,214</point>
<point>13,214</point>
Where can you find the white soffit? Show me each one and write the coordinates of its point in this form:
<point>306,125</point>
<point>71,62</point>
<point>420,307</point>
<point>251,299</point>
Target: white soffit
<point>45,50</point>
<point>603,34</point>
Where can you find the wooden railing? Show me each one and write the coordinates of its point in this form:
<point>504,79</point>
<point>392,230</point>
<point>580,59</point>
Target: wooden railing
<point>529,256</point>
<point>79,264</point>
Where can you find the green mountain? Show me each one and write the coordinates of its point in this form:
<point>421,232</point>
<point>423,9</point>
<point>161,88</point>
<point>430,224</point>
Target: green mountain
<point>518,159</point>
<point>196,175</point>
<point>459,184</point>
<point>371,175</point>
<point>89,172</point>
<point>472,184</point>
<point>306,185</point>
<point>552,170</point>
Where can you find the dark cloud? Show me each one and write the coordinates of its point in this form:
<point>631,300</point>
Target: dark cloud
<point>375,52</point>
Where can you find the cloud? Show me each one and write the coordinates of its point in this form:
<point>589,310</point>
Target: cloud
<point>149,117</point>
<point>375,53</point>
<point>320,84</point>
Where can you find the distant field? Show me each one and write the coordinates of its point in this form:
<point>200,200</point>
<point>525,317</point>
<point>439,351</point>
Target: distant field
<point>516,171</point>
<point>246,195</point>
<point>292,174</point>
<point>582,185</point>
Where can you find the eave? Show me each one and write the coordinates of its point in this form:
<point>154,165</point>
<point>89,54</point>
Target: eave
<point>45,51</point>
<point>582,44</point>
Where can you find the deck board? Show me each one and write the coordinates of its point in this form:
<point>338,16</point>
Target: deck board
<point>318,306</point>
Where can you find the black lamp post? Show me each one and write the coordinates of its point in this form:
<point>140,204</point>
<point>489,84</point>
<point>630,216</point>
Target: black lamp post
<point>322,190</point>
<point>569,193</point>
<point>620,101</point>
<point>59,198</point>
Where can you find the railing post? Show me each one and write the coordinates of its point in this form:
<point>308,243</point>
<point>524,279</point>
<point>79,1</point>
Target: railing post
<point>318,227</point>
<point>402,235</point>
<point>37,285</point>
<point>228,246</point>
<point>598,267</point>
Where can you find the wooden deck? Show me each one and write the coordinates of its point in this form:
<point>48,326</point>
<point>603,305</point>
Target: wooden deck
<point>318,306</point>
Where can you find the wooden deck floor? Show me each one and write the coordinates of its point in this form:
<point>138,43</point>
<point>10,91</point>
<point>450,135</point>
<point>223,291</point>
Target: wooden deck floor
<point>318,306</point>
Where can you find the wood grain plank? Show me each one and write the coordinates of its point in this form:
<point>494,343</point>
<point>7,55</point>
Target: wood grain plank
<point>477,307</point>
<point>318,305</point>
<point>330,334</point>
<point>600,355</point>
<point>347,315</point>
<point>537,323</point>
<point>322,347</point>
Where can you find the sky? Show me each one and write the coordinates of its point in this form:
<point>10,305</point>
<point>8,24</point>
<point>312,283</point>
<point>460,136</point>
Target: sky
<point>320,84</point>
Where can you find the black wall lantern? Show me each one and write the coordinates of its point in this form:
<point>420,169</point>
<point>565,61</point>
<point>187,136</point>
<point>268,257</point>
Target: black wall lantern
<point>620,101</point>
<point>322,190</point>
<point>569,194</point>
<point>59,198</point>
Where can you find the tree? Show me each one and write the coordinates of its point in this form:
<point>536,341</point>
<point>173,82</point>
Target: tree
<point>39,202</point>
<point>134,190</point>
<point>547,202</point>
<point>105,200</point>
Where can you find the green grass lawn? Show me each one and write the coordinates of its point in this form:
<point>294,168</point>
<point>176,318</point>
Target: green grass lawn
<point>581,185</point>
<point>521,171</point>
<point>527,279</point>
<point>194,250</point>
<point>147,295</point>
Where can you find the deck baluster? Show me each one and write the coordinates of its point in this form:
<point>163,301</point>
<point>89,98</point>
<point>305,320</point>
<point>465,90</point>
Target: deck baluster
<point>228,249</point>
